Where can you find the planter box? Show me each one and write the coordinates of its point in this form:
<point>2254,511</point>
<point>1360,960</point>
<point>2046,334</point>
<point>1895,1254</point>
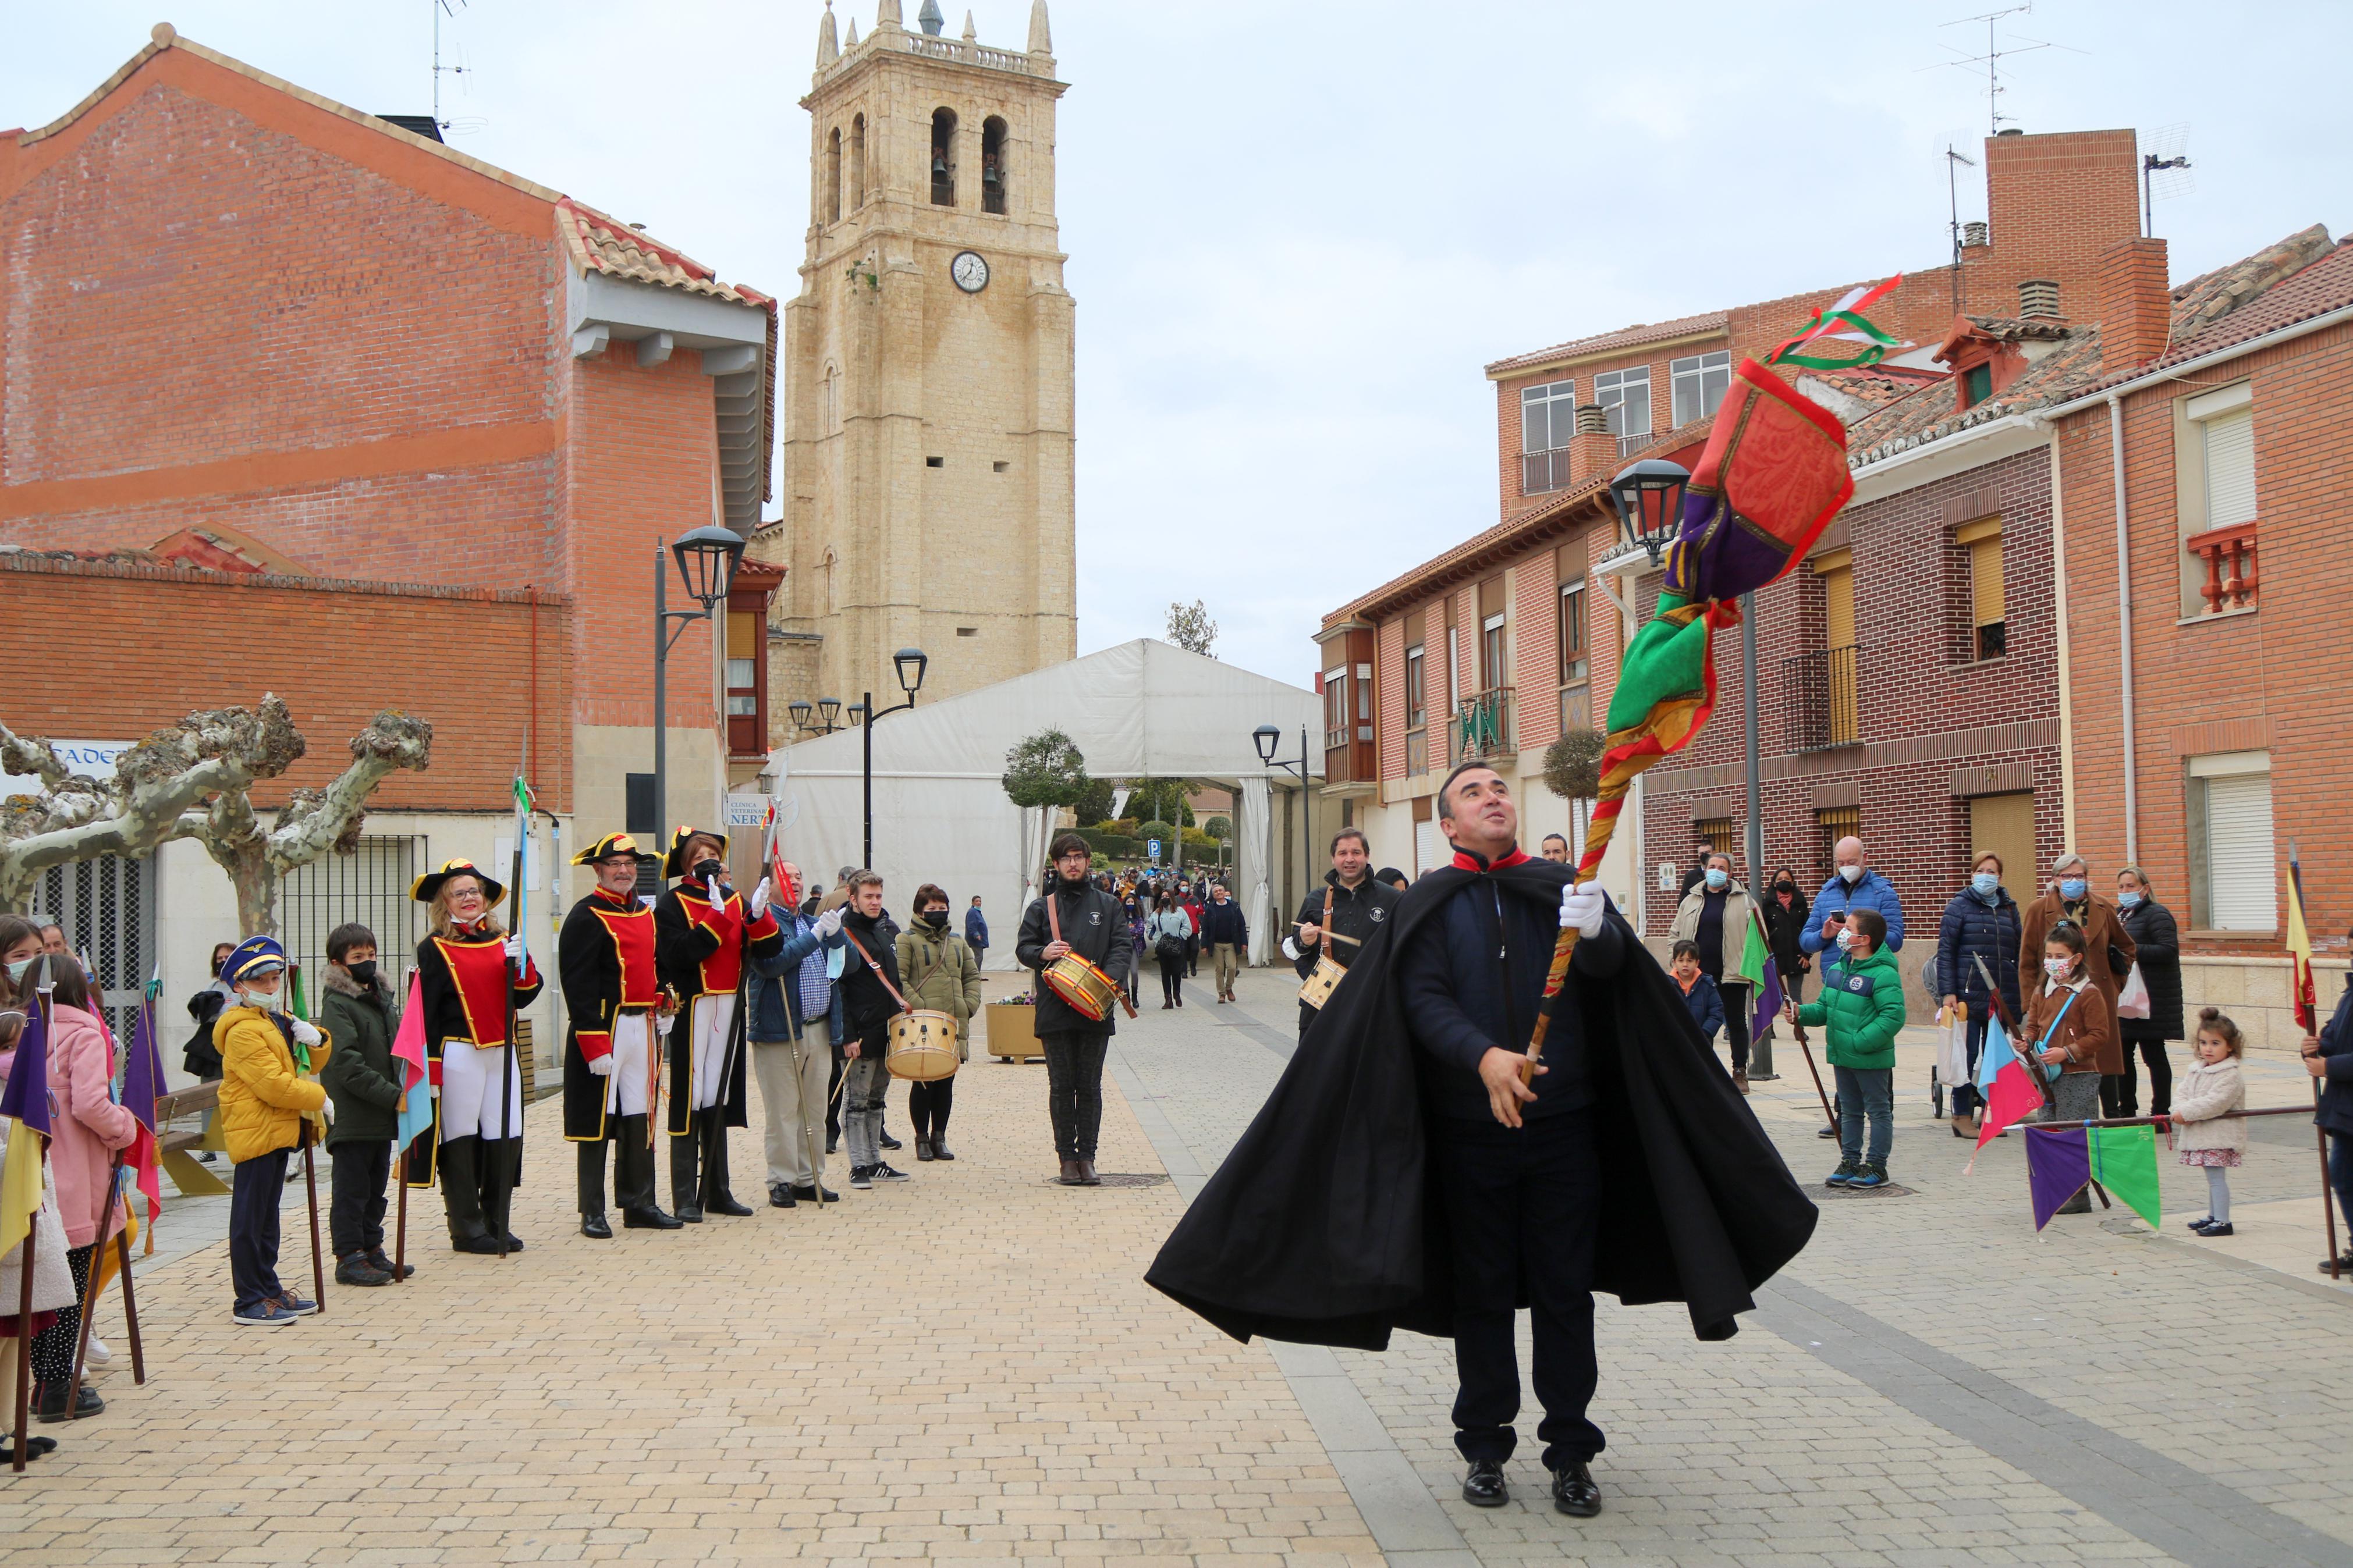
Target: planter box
<point>1012,1032</point>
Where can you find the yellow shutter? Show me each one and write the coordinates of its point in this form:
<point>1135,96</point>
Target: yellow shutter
<point>743,633</point>
<point>1985,579</point>
<point>1838,607</point>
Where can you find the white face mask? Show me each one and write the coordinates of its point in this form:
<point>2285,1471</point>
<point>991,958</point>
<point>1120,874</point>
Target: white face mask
<point>1851,874</point>
<point>2058,968</point>
<point>1845,939</point>
<point>265,1000</point>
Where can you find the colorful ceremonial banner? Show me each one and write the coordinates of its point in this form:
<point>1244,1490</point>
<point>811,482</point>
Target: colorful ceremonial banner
<point>409,1051</point>
<point>25,1107</point>
<point>1764,979</point>
<point>2060,1161</point>
<point>2002,1078</point>
<point>143,1084</point>
<point>2299,947</point>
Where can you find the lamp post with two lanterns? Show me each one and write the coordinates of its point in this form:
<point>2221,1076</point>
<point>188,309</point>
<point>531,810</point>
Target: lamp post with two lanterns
<point>910,663</point>
<point>707,558</point>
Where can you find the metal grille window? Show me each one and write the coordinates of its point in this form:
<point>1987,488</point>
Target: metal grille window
<point>106,908</point>
<point>1699,383</point>
<point>369,886</point>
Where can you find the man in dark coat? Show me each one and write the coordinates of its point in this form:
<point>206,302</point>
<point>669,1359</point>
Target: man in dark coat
<point>2328,1058</point>
<point>1085,920</point>
<point>1351,901</point>
<point>1369,1194</point>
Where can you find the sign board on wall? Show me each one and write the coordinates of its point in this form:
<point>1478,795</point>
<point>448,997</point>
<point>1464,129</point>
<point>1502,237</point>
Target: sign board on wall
<point>89,758</point>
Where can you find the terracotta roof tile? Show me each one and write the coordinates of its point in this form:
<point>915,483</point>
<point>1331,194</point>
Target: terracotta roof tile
<point>1911,422</point>
<point>601,244</point>
<point>1624,337</point>
<point>2207,299</point>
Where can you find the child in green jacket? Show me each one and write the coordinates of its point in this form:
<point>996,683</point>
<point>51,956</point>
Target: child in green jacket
<point>1861,1011</point>
<point>364,1085</point>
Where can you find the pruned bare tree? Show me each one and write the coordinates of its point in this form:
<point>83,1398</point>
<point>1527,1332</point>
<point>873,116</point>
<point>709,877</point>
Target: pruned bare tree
<point>193,780</point>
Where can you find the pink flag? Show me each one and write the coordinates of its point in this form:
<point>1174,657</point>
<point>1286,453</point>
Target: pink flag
<point>409,1050</point>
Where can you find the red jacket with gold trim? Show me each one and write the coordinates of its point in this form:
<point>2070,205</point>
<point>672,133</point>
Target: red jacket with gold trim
<point>464,981</point>
<point>700,942</point>
<point>606,957</point>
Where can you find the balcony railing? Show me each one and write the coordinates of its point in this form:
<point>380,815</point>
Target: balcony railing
<point>2229,556</point>
<point>1629,445</point>
<point>1542,471</point>
<point>1482,726</point>
<point>1818,701</point>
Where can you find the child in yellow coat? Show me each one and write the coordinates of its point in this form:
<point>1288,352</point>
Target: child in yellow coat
<point>264,1098</point>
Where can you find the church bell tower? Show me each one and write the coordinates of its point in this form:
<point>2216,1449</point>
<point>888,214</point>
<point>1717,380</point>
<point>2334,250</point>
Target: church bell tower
<point>927,403</point>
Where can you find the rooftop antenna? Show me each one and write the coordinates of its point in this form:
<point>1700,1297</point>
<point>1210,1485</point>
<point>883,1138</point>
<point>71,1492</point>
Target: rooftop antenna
<point>2164,169</point>
<point>439,70</point>
<point>1953,159</point>
<point>1995,54</point>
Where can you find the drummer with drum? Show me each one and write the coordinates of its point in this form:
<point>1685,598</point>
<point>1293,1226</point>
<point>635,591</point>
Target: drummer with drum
<point>1076,938</point>
<point>1337,920</point>
<point>942,977</point>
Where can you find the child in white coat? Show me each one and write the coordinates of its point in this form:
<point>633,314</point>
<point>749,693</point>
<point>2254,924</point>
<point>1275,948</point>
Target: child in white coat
<point>2212,1088</point>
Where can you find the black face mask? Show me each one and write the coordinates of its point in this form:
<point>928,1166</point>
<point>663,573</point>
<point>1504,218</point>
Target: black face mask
<point>710,871</point>
<point>1785,887</point>
<point>362,974</point>
<point>935,919</point>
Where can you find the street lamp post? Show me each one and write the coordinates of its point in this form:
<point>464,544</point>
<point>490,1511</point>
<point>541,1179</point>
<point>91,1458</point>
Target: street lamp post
<point>1266,738</point>
<point>707,558</point>
<point>910,664</point>
<point>828,715</point>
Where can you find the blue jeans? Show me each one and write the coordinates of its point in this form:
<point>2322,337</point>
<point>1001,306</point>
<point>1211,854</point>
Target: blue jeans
<point>1866,1091</point>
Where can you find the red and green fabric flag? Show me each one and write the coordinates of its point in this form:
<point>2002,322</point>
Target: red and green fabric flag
<point>2061,1161</point>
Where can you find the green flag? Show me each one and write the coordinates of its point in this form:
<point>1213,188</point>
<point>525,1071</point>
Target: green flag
<point>2124,1160</point>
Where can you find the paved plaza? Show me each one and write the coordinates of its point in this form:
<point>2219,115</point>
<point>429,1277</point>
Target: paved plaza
<point>970,1367</point>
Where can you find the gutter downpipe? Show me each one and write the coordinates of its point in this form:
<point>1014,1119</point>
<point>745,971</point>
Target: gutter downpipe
<point>2125,626</point>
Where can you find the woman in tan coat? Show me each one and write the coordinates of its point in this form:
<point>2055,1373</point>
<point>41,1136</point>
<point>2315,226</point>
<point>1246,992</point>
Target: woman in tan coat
<point>941,976</point>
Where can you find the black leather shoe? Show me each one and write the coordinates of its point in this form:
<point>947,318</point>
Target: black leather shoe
<point>485,1245</point>
<point>595,1227</point>
<point>780,1196</point>
<point>689,1214</point>
<point>1483,1486</point>
<point>514,1242</point>
<point>809,1194</point>
<point>887,1142</point>
<point>724,1203</point>
<point>940,1150</point>
<point>53,1406</point>
<point>649,1219</point>
<point>1575,1492</point>
<point>923,1148</point>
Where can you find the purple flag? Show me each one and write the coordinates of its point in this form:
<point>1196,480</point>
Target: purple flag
<point>2058,1166</point>
<point>27,1098</point>
<point>143,1074</point>
<point>1769,1001</point>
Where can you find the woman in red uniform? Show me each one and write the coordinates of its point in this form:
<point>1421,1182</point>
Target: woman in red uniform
<point>474,978</point>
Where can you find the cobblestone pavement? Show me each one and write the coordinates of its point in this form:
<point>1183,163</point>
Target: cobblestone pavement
<point>965,1367</point>
<point>970,1367</point>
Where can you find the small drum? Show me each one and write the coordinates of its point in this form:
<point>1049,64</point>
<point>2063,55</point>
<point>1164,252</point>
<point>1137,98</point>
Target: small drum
<point>1082,986</point>
<point>1322,980</point>
<point>923,1047</point>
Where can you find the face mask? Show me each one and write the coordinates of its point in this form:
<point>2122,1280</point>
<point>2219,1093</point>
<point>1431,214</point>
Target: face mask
<point>1718,881</point>
<point>363,972</point>
<point>17,970</point>
<point>2072,886</point>
<point>935,919</point>
<point>1785,887</point>
<point>2058,968</point>
<point>265,1000</point>
<point>1851,874</point>
<point>2127,901</point>
<point>1846,940</point>
<point>1985,883</point>
<point>709,871</point>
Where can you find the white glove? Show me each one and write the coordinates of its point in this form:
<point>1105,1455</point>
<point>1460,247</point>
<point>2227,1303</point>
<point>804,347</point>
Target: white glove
<point>829,923</point>
<point>663,1022</point>
<point>1583,907</point>
<point>306,1033</point>
<point>516,955</point>
<point>602,1066</point>
<point>759,905</point>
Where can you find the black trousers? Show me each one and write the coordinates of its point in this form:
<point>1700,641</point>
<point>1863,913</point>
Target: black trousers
<point>53,1348</point>
<point>355,1214</point>
<point>2120,1091</point>
<point>833,1100</point>
<point>1738,1005</point>
<point>1172,982</point>
<point>256,1189</point>
<point>1522,1204</point>
<point>1074,1064</point>
<point>928,1105</point>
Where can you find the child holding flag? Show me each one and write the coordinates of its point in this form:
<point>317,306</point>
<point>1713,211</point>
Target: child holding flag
<point>2212,1087</point>
<point>263,1099</point>
<point>88,1129</point>
<point>1860,1012</point>
<point>360,1078</point>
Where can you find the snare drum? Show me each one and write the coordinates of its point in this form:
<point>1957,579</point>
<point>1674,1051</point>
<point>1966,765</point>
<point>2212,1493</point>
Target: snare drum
<point>923,1047</point>
<point>1082,986</point>
<point>1322,980</point>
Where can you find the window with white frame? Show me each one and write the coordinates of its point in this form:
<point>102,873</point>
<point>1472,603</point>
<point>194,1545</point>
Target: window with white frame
<point>1626,395</point>
<point>2225,418</point>
<point>2233,880</point>
<point>1699,383</point>
<point>1548,415</point>
<point>1417,687</point>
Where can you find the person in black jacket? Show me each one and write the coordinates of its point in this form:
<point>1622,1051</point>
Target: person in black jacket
<point>1783,904</point>
<point>871,998</point>
<point>2157,941</point>
<point>1226,934</point>
<point>1090,924</point>
<point>1981,924</point>
<point>1352,901</point>
<point>201,1057</point>
<point>2329,1057</point>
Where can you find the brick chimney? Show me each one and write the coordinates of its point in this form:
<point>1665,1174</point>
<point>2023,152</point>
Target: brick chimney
<point>1593,450</point>
<point>2135,302</point>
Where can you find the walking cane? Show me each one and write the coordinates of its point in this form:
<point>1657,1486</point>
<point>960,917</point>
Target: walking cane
<point>808,1127</point>
<point>311,1186</point>
<point>1799,1031</point>
<point>89,1295</point>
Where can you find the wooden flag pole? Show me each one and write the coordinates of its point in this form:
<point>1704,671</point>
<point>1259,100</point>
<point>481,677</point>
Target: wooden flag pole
<point>2303,1004</point>
<point>131,1302</point>
<point>89,1294</point>
<point>25,1335</point>
<point>400,1223</point>
<point>311,1185</point>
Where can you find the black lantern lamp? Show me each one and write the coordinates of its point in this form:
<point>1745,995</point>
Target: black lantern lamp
<point>828,713</point>
<point>707,558</point>
<point>1266,737</point>
<point>800,713</point>
<point>911,663</point>
<point>1649,496</point>
<point>857,714</point>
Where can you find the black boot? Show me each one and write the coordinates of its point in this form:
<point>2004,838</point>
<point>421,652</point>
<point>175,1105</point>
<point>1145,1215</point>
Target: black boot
<point>502,1160</point>
<point>461,1195</point>
<point>593,1223</point>
<point>684,1168</point>
<point>716,1196</point>
<point>50,1403</point>
<point>633,1179</point>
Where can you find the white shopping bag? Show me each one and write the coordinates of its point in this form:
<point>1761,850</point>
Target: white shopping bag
<point>2132,1002</point>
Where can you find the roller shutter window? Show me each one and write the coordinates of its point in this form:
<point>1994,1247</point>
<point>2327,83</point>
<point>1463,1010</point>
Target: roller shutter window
<point>1431,849</point>
<point>2241,877</point>
<point>2231,468</point>
<point>1989,627</point>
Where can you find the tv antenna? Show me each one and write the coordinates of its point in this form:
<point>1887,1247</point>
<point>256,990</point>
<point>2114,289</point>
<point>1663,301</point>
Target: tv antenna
<point>2164,169</point>
<point>1993,57</point>
<point>439,70</point>
<point>1953,159</point>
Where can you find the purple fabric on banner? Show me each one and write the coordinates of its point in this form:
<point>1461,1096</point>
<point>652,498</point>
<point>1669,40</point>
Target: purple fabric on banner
<point>27,1098</point>
<point>1734,561</point>
<point>2058,1166</point>
<point>1768,1000</point>
<point>142,1075</point>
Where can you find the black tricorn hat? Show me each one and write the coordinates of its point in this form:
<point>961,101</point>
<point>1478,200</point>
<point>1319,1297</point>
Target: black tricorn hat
<point>428,887</point>
<point>674,863</point>
<point>607,849</point>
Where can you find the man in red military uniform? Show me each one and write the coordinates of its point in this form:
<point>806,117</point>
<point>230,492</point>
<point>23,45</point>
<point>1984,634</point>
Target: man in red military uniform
<point>612,1064</point>
<point>702,934</point>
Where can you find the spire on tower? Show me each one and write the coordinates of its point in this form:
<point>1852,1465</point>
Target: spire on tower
<point>852,41</point>
<point>887,14</point>
<point>1042,38</point>
<point>829,48</point>
<point>971,33</point>
<point>930,18</point>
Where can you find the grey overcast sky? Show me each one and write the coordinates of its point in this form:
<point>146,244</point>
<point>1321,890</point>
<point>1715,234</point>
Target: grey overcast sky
<point>1296,232</point>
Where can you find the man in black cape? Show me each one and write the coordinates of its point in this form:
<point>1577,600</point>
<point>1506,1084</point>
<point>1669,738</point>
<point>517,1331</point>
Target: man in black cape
<point>1401,1174</point>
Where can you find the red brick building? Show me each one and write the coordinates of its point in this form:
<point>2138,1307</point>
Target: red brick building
<point>442,410</point>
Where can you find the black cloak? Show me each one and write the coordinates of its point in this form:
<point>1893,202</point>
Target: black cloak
<point>1324,1225</point>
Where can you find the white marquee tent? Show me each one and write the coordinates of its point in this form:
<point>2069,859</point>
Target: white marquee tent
<point>1142,709</point>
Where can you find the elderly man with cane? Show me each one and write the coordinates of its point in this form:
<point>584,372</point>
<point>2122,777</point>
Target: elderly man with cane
<point>796,1012</point>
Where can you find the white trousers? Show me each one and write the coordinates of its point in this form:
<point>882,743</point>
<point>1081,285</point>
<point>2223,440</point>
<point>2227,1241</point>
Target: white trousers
<point>626,1091</point>
<point>470,1102</point>
<point>706,1036</point>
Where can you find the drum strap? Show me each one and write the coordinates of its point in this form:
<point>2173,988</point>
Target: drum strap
<point>878,973</point>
